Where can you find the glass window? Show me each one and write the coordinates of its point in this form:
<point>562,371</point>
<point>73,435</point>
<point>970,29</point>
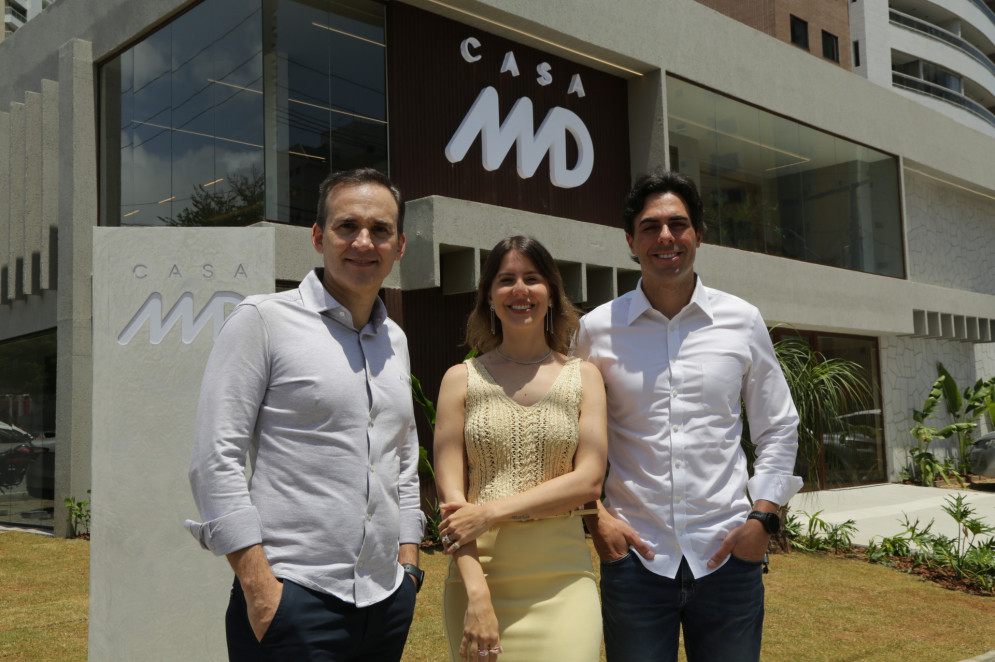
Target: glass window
<point>830,47</point>
<point>854,452</point>
<point>856,53</point>
<point>235,111</point>
<point>183,122</point>
<point>27,430</point>
<point>326,63</point>
<point>799,32</point>
<point>772,185</point>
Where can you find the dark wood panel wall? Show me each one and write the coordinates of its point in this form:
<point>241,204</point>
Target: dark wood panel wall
<point>431,87</point>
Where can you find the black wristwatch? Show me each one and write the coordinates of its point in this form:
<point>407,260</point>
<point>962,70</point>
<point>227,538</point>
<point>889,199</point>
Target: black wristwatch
<point>770,521</point>
<point>415,572</point>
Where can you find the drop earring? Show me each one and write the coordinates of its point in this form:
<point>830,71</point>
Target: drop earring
<point>549,320</point>
<point>493,327</point>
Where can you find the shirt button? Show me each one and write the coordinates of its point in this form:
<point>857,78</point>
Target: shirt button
<point>372,469</point>
<point>359,565</point>
<point>341,313</point>
<point>673,360</point>
<point>371,421</point>
<point>680,532</point>
<point>368,517</point>
<point>674,393</point>
<point>676,428</point>
<point>679,499</point>
<point>677,463</point>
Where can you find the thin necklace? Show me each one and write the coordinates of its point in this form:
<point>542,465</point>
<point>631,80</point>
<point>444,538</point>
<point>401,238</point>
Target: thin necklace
<point>508,358</point>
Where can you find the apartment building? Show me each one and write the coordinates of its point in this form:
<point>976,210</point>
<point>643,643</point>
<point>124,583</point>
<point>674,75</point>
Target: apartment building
<point>940,53</point>
<point>159,161</point>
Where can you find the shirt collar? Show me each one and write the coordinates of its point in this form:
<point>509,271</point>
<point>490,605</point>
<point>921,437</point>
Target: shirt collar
<point>639,304</point>
<point>315,297</point>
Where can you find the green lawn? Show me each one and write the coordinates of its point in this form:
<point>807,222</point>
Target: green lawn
<point>819,609</point>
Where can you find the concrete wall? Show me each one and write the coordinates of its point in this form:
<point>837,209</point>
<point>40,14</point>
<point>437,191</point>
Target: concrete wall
<point>950,234</point>
<point>154,593</point>
<point>908,370</point>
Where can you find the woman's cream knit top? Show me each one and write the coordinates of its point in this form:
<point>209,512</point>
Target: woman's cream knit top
<point>510,447</point>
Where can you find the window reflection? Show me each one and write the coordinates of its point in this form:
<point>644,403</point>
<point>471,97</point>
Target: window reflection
<point>27,431</point>
<point>329,110</point>
<point>189,118</point>
<point>774,186</point>
<point>849,450</point>
<point>236,111</point>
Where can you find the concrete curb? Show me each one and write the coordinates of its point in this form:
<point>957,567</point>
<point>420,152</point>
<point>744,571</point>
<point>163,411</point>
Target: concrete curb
<point>984,657</point>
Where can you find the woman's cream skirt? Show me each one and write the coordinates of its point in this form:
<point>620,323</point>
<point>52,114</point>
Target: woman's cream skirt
<point>543,590</point>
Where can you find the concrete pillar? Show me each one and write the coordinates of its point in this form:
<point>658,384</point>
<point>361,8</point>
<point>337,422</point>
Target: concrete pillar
<point>647,123</point>
<point>77,216</point>
<point>15,283</point>
<point>31,248</point>
<point>49,183</point>
<point>5,256</point>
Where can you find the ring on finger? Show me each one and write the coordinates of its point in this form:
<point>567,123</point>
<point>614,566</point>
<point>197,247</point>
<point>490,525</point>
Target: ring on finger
<point>482,652</point>
<point>496,650</point>
<point>455,546</point>
<point>446,540</point>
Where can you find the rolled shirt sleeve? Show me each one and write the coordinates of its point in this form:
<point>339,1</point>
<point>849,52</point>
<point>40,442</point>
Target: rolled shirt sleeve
<point>233,387</point>
<point>773,422</point>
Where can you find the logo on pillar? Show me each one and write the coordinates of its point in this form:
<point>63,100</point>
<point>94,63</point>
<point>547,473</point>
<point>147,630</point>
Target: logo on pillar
<point>182,312</point>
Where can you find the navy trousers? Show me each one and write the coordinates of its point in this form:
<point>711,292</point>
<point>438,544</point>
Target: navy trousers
<point>314,626</point>
<point>721,614</point>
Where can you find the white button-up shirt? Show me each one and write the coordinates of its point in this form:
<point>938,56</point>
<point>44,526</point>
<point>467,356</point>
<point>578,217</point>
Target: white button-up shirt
<point>675,390</point>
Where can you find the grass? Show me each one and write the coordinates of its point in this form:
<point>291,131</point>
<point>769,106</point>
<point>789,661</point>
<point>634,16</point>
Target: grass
<point>820,608</point>
<point>44,597</point>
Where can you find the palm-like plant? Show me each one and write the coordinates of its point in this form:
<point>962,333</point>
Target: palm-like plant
<point>823,389</point>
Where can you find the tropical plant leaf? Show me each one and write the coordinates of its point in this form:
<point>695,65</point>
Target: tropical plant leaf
<point>951,393</point>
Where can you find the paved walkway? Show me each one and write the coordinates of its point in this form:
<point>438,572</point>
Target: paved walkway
<point>879,510</point>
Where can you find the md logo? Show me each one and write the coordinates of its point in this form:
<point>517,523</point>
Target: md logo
<point>496,139</point>
<point>182,311</point>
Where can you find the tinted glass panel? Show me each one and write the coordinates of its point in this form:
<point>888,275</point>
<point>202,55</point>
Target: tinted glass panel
<point>27,431</point>
<point>799,32</point>
<point>236,111</point>
<point>329,110</point>
<point>855,454</point>
<point>183,122</point>
<point>830,46</point>
<point>774,186</point>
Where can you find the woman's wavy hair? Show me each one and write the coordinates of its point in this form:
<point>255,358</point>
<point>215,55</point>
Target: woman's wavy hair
<point>565,315</point>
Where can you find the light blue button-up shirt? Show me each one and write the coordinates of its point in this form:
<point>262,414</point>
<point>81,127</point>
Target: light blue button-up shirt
<point>325,416</point>
<point>675,386</point>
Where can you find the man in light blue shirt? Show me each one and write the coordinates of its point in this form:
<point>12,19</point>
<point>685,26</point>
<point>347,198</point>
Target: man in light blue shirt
<point>313,386</point>
<point>680,543</point>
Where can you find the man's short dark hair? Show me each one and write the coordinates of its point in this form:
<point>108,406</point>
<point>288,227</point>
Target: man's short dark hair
<point>357,177</point>
<point>666,182</point>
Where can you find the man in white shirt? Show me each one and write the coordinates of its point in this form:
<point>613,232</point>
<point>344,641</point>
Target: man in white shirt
<point>681,545</point>
<point>313,386</point>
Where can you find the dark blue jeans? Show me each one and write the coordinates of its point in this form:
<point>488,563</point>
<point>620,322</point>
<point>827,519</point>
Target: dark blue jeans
<point>309,625</point>
<point>722,614</point>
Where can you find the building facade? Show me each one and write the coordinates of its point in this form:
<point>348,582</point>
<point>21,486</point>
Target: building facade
<point>939,52</point>
<point>852,213</point>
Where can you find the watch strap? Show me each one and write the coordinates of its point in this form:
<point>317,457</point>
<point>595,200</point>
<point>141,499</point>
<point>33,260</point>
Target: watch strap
<point>415,572</point>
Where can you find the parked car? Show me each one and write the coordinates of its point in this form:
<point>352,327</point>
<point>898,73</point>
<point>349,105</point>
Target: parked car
<point>11,434</point>
<point>982,456</point>
<point>854,453</point>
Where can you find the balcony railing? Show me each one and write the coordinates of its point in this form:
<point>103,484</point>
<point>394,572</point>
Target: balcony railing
<point>940,92</point>
<point>985,9</point>
<point>16,13</point>
<point>931,30</point>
